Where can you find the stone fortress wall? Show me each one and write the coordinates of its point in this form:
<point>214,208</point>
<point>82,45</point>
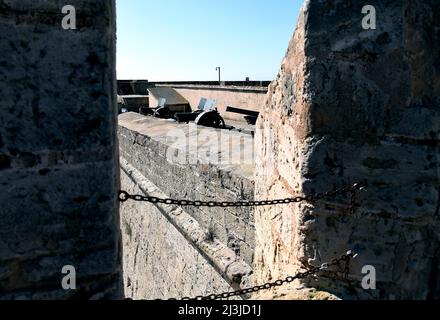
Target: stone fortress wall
<point>349,105</point>
<point>59,163</point>
<point>171,251</point>
<point>353,105</point>
<point>249,98</point>
<point>356,105</point>
<point>249,95</point>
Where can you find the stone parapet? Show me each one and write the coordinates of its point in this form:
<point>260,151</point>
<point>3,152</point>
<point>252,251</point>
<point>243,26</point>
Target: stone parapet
<point>166,153</point>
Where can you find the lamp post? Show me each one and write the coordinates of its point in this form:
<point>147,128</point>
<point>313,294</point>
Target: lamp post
<point>219,75</point>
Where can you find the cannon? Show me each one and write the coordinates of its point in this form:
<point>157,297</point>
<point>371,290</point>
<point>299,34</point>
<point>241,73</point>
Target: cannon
<point>210,118</point>
<point>206,115</point>
<point>251,117</point>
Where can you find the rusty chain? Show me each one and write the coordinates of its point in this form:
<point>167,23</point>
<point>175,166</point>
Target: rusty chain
<point>322,270</point>
<point>125,196</point>
<point>310,271</point>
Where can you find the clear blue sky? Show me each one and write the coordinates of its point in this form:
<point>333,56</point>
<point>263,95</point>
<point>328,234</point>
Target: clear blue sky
<point>176,40</point>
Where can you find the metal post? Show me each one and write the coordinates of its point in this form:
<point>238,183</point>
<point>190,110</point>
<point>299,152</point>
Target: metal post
<point>219,75</point>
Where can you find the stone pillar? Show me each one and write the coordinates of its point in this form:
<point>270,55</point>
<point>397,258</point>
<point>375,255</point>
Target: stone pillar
<point>353,105</point>
<point>58,151</point>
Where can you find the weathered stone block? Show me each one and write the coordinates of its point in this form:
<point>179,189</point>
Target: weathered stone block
<point>166,163</point>
<point>167,253</point>
<point>58,151</point>
<point>353,105</point>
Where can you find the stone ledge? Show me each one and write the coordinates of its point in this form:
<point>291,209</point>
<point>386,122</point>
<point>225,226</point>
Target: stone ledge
<point>177,137</point>
<point>250,89</point>
<point>147,143</point>
<point>230,266</point>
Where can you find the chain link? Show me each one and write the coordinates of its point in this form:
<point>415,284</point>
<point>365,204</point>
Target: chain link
<point>125,196</point>
<point>323,270</point>
<point>315,271</point>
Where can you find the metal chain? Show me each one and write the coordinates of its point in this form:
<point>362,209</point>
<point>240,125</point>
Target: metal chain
<point>311,271</point>
<point>125,196</point>
<point>321,270</point>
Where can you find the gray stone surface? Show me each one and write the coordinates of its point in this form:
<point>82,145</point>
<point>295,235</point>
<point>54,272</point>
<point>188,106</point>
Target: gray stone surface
<point>58,151</point>
<point>353,105</point>
<point>167,253</point>
<point>161,151</point>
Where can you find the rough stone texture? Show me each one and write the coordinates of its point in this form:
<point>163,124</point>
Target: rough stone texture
<point>58,152</point>
<point>197,163</point>
<point>294,291</point>
<point>167,254</point>
<point>353,105</point>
